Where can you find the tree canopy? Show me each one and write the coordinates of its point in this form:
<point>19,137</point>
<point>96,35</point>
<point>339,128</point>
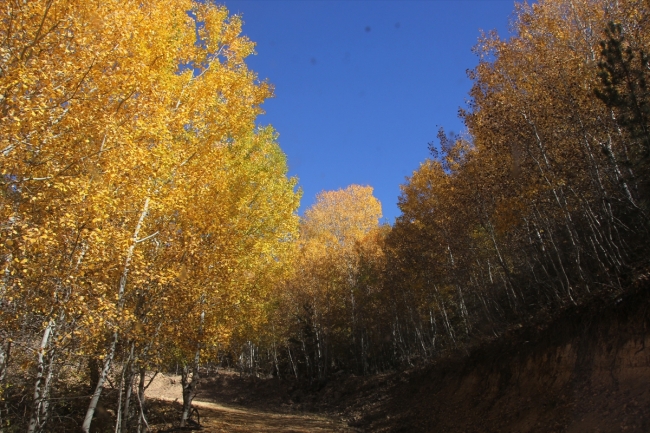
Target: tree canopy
<point>147,223</point>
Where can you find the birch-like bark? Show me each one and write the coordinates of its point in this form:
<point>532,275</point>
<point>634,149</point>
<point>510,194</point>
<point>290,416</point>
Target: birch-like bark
<point>35,422</point>
<point>118,420</point>
<point>189,379</point>
<point>122,390</point>
<point>189,383</point>
<point>143,425</point>
<point>293,365</point>
<point>45,400</point>
<point>5,345</point>
<point>5,351</point>
<point>127,397</point>
<point>120,304</point>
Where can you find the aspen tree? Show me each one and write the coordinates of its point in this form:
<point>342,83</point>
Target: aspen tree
<point>112,114</point>
<point>325,288</point>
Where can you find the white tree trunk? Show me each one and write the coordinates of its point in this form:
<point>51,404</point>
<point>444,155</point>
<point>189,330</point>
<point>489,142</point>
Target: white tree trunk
<point>120,304</point>
<point>35,423</point>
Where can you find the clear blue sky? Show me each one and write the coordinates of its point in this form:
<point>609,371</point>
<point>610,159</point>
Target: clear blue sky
<point>362,86</point>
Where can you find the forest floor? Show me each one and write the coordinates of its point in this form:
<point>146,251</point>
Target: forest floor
<point>228,402</point>
<point>589,370</point>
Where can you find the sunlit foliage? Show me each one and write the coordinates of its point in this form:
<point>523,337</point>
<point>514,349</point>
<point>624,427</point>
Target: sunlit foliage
<point>143,215</point>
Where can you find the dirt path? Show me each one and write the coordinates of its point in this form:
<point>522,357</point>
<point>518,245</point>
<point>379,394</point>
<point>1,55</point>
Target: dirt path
<point>219,417</point>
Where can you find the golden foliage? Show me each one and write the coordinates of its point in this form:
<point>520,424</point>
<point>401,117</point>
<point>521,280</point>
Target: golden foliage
<point>137,197</point>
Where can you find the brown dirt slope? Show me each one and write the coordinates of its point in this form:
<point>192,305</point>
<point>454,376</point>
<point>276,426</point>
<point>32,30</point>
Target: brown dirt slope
<point>588,371</point>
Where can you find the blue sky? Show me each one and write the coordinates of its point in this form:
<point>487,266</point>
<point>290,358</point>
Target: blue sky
<point>362,86</point>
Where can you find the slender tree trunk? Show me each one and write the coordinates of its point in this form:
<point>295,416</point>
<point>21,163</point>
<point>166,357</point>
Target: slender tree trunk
<point>189,383</point>
<point>275,359</point>
<point>143,425</point>
<point>45,401</point>
<point>100,385</point>
<point>127,398</point>
<point>5,351</point>
<point>120,304</point>
<point>293,365</point>
<point>450,329</point>
<point>434,327</point>
<point>189,379</point>
<point>35,422</point>
<point>122,391</point>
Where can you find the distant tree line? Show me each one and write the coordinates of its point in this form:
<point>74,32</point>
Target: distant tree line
<point>540,205</point>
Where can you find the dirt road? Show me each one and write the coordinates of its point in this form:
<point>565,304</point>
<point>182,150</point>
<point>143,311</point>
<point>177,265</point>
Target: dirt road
<point>219,417</point>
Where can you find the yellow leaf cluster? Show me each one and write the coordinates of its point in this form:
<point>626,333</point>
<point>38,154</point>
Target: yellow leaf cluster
<point>137,196</point>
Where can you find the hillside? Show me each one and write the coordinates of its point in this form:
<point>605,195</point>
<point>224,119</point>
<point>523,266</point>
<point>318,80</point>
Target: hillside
<point>587,371</point>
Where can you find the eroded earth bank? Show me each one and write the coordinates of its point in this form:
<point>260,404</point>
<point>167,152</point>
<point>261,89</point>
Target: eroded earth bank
<point>588,371</point>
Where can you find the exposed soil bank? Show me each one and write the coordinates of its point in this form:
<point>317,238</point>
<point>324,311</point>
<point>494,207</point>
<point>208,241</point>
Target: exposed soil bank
<point>588,371</point>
